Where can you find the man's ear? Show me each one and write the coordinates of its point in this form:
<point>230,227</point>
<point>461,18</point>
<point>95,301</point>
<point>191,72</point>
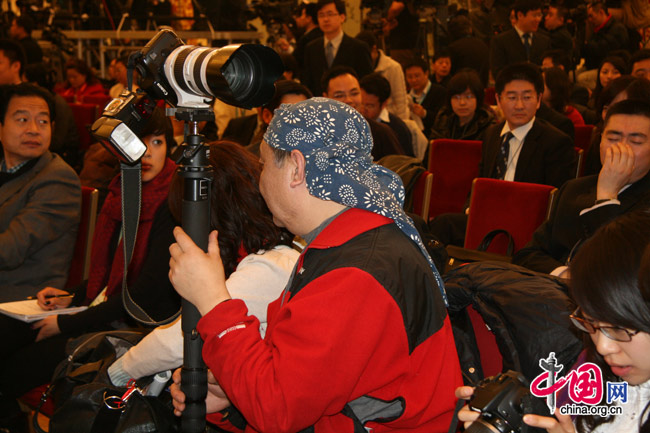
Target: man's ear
<point>267,115</point>
<point>297,163</point>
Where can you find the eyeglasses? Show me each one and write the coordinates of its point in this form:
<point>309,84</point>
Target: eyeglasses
<point>612,332</point>
<point>327,15</point>
<point>465,96</point>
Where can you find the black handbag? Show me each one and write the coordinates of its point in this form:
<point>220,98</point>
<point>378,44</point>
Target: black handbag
<point>85,401</point>
<point>458,256</point>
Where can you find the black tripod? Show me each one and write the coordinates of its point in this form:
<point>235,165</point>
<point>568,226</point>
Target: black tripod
<point>196,172</point>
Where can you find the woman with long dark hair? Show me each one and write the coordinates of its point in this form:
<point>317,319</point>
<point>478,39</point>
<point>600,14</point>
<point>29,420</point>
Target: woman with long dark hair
<point>254,251</point>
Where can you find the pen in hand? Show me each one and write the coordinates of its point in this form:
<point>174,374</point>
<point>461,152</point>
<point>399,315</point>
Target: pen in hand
<point>51,296</point>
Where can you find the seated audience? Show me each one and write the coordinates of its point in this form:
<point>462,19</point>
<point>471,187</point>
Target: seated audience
<point>584,204</point>
<point>441,67</point>
<point>31,351</point>
<point>341,84</point>
<point>427,98</point>
<point>640,62</point>
<point>40,196</point>
<point>521,148</point>
<point>80,82</point>
<point>610,284</point>
<point>465,117</point>
<point>610,69</point>
<point>360,339</point>
<point>557,90</point>
<point>608,35</point>
<point>257,274</point>
<point>622,88</point>
<point>375,92</point>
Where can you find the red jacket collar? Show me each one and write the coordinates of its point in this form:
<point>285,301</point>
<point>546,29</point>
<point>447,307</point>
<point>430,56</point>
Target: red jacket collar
<point>600,27</point>
<point>348,225</point>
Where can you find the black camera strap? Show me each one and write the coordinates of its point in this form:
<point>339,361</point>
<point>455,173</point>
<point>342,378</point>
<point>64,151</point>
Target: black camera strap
<point>131,203</point>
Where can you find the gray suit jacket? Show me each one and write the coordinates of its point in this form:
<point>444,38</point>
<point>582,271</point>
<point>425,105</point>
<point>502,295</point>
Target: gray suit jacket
<point>39,216</point>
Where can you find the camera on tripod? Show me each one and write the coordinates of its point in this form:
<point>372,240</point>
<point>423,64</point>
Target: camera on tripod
<point>188,77</point>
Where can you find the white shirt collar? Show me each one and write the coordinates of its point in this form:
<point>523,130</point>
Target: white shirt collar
<point>383,116</point>
<point>520,132</point>
<point>420,97</point>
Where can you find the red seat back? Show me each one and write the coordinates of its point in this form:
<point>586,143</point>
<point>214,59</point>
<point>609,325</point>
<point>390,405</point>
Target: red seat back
<point>422,194</point>
<point>454,164</point>
<point>583,136</point>
<point>84,116</point>
<point>516,207</point>
<point>80,265</point>
<point>100,100</point>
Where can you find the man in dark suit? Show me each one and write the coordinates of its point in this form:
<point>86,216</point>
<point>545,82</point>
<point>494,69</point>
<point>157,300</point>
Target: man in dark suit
<point>375,91</point>
<point>468,51</point>
<point>522,43</point>
<point>334,48</point>
<point>307,21</point>
<point>584,204</point>
<point>554,24</point>
<point>521,149</point>
<point>427,98</point>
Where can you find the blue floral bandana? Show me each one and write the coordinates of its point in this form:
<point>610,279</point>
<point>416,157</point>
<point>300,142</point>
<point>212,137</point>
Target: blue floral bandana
<point>336,143</point>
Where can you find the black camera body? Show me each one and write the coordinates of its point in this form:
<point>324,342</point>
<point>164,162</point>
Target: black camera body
<point>503,400</point>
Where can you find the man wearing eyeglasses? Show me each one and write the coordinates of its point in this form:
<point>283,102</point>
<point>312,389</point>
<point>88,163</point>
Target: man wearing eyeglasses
<point>334,48</point>
<point>522,148</point>
<point>583,205</point>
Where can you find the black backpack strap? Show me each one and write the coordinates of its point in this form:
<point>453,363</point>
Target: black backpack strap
<point>131,202</point>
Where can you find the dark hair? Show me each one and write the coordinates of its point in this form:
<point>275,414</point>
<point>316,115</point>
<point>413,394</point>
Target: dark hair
<point>605,285</point>
<point>40,74</point>
<point>639,88</point>
<point>333,72</point>
<point>559,57</point>
<point>458,27</point>
<point>238,210</point>
<point>561,10</point>
<point>290,64</point>
<point>418,63</point>
<point>26,23</point>
<point>630,107</point>
<point>339,4</point>
<point>441,53</point>
<point>7,92</point>
<point>598,6</point>
<point>617,62</point>
<point>160,124</point>
<point>286,87</point>
<point>81,67</point>
<point>558,83</point>
<point>311,10</point>
<point>377,85</point>
<point>520,71</point>
<point>14,52</point>
<point>465,79</point>
<point>639,56</point>
<point>524,6</point>
<point>368,37</point>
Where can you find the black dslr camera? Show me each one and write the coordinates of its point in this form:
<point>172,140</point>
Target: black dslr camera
<point>503,400</point>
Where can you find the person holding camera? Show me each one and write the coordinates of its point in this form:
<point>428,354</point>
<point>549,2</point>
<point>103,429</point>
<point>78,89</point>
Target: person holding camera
<point>360,337</point>
<point>611,287</point>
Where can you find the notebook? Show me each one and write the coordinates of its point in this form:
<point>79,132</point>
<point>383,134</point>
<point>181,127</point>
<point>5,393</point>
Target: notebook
<point>29,311</point>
